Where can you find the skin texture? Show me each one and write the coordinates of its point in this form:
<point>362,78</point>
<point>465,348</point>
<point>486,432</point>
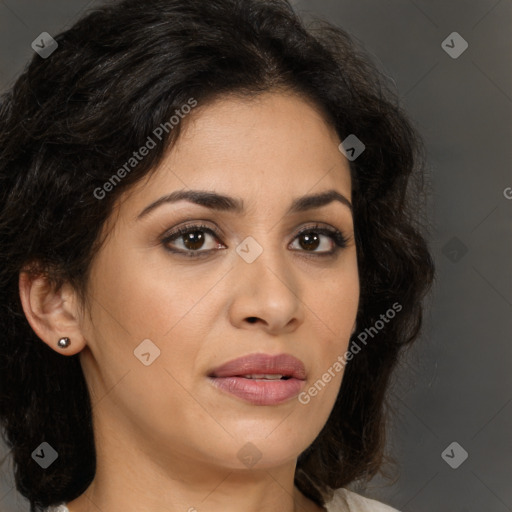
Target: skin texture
<point>166,439</point>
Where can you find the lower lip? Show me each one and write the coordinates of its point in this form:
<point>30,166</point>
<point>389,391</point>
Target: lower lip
<point>260,392</point>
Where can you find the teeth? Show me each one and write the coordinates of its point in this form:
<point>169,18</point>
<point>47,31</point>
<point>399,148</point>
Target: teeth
<point>263,376</point>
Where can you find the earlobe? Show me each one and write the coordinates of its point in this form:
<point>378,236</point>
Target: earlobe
<point>52,314</point>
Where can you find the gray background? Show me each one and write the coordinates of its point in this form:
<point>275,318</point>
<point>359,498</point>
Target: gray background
<point>455,385</point>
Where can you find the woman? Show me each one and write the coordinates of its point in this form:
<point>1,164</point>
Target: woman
<point>210,262</point>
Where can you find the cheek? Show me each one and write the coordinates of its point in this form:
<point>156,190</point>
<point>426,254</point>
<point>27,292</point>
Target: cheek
<point>145,300</point>
<point>335,307</point>
<point>334,302</point>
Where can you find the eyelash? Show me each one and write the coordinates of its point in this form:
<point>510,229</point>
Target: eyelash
<point>338,238</point>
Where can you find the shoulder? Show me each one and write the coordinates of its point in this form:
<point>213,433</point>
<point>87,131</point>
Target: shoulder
<point>342,501</point>
<point>349,501</point>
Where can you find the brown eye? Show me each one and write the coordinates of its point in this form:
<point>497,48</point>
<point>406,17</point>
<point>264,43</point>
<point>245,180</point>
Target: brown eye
<point>191,240</point>
<point>309,241</point>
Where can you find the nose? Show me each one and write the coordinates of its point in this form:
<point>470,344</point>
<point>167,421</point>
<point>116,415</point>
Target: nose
<point>266,294</point>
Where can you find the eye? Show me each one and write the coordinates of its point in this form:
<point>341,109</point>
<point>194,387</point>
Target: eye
<point>310,239</point>
<point>192,238</point>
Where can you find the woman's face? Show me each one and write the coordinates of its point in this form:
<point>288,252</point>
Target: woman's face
<point>167,310</point>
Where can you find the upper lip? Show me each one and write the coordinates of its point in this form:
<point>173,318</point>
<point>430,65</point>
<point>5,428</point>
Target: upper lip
<point>282,364</point>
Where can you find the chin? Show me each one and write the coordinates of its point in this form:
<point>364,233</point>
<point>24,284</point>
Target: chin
<point>254,452</point>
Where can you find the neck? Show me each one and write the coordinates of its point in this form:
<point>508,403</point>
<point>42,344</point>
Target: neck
<point>224,491</point>
<point>130,480</point>
<point>162,472</point>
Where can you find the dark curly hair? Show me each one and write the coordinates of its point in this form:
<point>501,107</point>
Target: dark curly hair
<point>71,119</point>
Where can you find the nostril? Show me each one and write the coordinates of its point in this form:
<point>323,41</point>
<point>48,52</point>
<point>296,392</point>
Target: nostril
<point>252,319</point>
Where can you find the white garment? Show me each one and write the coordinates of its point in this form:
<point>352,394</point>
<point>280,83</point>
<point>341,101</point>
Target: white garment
<point>348,501</point>
<point>343,501</point>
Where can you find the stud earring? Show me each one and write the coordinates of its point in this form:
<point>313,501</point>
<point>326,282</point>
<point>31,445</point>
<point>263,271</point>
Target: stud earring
<point>64,342</point>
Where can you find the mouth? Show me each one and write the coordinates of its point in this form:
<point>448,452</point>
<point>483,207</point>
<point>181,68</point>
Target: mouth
<point>265,377</point>
<point>261,379</point>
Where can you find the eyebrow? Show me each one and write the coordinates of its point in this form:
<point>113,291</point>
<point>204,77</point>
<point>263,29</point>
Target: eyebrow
<point>221,202</point>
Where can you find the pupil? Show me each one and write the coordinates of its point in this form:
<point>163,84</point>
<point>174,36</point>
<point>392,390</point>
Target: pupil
<point>311,241</point>
<point>194,240</point>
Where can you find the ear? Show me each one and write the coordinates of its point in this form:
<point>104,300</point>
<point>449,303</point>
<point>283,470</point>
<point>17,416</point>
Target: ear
<point>52,314</point>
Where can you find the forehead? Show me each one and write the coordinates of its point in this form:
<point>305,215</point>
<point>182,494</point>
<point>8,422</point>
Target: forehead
<point>260,149</point>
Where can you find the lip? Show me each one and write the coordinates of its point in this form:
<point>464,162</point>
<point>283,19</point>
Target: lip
<point>229,378</point>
